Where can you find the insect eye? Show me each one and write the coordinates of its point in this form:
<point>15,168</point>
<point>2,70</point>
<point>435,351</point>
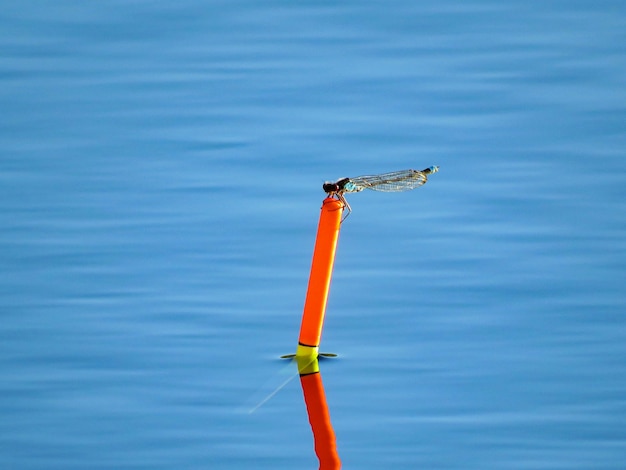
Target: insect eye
<point>330,187</point>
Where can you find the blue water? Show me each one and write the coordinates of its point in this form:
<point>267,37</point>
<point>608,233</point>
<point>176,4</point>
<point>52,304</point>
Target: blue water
<point>160,182</point>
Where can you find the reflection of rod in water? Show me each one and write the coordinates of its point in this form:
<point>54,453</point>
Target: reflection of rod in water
<point>319,417</point>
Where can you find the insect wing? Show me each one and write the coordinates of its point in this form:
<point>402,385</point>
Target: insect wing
<point>395,181</point>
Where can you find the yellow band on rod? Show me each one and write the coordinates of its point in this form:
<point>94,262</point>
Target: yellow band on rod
<point>307,351</point>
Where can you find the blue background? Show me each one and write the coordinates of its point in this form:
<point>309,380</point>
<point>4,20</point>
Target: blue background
<point>161,167</point>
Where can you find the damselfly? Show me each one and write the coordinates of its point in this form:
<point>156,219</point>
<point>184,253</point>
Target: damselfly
<point>403,180</point>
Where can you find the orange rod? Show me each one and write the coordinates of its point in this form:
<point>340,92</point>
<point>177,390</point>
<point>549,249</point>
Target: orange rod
<point>319,417</point>
<point>321,272</point>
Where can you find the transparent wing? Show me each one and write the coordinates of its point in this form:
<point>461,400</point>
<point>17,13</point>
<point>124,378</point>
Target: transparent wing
<point>403,180</point>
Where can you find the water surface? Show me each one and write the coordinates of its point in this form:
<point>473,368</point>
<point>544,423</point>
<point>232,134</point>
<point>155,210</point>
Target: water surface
<point>160,183</point>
